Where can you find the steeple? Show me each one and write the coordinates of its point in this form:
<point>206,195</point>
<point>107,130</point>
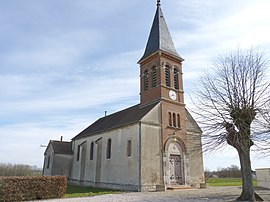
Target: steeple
<point>160,38</point>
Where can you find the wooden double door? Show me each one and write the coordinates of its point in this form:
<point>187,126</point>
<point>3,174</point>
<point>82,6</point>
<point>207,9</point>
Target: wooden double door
<point>176,169</point>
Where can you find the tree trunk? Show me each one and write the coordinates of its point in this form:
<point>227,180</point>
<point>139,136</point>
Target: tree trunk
<point>247,180</point>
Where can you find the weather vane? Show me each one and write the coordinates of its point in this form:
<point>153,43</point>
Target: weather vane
<point>158,2</point>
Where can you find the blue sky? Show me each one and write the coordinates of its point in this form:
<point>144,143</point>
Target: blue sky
<point>63,63</point>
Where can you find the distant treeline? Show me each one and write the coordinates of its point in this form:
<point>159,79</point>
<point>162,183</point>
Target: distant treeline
<point>230,172</point>
<point>8,169</point>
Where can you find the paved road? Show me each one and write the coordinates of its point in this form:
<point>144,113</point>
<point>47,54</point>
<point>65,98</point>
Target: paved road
<point>217,194</point>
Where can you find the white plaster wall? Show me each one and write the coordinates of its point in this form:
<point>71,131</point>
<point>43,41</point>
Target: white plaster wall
<point>195,160</point>
<point>263,177</point>
<point>89,164</point>
<point>61,165</point>
<point>151,150</point>
<point>151,165</point>
<point>49,152</point>
<point>119,169</point>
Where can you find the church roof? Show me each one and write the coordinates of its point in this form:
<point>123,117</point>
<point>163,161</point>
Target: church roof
<point>160,37</point>
<point>127,116</point>
<point>61,147</point>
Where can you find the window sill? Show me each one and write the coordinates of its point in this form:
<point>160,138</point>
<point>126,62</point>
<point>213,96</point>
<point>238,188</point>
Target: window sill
<point>176,128</point>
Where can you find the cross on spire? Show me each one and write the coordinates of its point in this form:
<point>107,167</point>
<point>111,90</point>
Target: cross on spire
<point>158,2</point>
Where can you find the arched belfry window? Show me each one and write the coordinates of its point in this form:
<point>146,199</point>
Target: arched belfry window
<point>146,79</point>
<point>174,120</point>
<point>168,75</point>
<point>91,150</point>
<point>170,118</point>
<point>176,78</point>
<point>109,148</point>
<point>154,76</point>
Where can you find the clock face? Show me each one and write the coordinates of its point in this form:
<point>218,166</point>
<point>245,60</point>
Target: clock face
<point>172,94</point>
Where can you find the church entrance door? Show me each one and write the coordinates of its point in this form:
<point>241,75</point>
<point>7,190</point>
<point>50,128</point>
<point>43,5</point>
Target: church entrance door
<point>175,164</point>
<point>175,169</point>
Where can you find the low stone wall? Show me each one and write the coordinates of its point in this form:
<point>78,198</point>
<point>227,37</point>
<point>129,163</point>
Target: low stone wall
<point>263,177</point>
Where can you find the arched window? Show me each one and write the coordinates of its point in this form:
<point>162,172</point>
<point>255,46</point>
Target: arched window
<point>176,78</point>
<point>109,148</point>
<point>170,119</point>
<point>174,120</point>
<point>146,79</point>
<point>154,76</point>
<point>78,152</point>
<point>178,121</point>
<point>168,76</point>
<point>92,151</point>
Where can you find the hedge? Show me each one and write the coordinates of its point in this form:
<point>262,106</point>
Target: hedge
<point>32,188</point>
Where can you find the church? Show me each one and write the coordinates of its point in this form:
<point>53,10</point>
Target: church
<point>152,146</point>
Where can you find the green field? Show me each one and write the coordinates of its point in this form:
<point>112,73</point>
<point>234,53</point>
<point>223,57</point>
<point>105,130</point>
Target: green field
<point>78,191</point>
<point>226,182</point>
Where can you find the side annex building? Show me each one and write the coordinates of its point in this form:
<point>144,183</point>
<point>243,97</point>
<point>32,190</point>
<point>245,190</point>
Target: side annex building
<point>151,146</point>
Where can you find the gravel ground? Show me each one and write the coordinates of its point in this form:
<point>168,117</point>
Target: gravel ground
<point>194,195</point>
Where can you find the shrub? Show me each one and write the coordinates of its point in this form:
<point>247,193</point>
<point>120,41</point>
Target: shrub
<point>31,188</point>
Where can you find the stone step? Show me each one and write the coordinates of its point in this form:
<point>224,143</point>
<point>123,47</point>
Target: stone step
<point>178,187</point>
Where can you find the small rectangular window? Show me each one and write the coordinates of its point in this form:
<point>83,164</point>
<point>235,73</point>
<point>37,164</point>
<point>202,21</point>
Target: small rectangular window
<point>129,148</point>
<point>109,148</point>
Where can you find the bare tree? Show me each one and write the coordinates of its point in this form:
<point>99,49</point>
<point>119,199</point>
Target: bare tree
<point>230,100</point>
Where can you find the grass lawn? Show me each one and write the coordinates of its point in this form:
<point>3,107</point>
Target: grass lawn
<point>79,191</point>
<point>226,182</point>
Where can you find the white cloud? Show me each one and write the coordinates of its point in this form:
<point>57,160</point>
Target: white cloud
<point>55,51</point>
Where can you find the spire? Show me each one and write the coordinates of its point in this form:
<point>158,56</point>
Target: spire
<point>160,37</point>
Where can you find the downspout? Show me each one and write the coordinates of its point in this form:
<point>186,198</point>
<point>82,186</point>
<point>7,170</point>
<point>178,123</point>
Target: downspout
<point>139,164</point>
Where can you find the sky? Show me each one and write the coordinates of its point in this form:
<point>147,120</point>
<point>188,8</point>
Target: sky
<point>63,63</point>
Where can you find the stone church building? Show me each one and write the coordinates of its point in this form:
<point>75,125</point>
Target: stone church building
<point>151,146</point>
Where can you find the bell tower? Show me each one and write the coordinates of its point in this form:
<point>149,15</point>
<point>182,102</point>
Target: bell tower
<point>160,65</point>
<point>161,80</point>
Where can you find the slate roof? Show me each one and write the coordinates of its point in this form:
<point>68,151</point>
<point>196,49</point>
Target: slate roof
<point>127,116</point>
<point>160,37</point>
<point>61,147</point>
